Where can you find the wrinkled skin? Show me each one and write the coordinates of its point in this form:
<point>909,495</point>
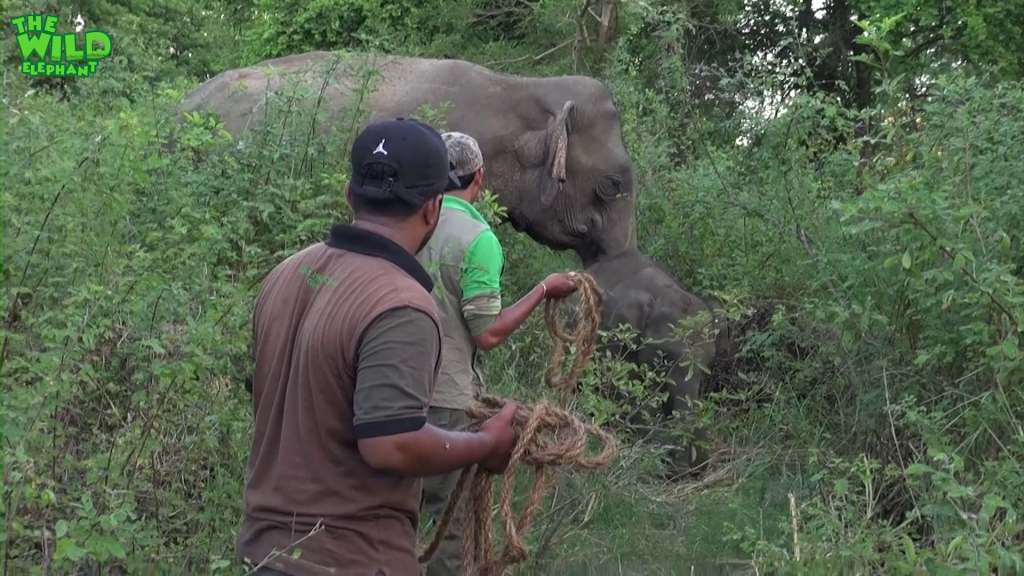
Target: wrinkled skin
<point>639,293</point>
<point>553,147</point>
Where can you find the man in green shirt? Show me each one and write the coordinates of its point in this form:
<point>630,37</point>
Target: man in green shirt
<point>466,261</point>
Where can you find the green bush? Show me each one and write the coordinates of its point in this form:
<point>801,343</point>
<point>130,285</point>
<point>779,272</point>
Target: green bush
<point>870,423</point>
<point>128,274</point>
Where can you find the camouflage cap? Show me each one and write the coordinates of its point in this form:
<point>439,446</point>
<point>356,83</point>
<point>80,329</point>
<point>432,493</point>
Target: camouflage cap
<point>464,156</point>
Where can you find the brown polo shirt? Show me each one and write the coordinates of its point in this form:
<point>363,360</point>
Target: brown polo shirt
<point>347,346</point>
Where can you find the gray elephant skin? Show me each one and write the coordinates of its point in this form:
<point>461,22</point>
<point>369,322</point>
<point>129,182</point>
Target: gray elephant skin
<point>638,292</point>
<point>553,147</point>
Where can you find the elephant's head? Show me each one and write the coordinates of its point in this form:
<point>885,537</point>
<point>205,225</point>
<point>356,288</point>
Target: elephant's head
<point>583,181</point>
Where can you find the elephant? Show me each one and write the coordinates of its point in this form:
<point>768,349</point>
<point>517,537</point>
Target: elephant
<point>553,146</point>
<point>638,292</point>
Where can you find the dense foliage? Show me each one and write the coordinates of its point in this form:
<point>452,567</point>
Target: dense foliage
<point>844,174</point>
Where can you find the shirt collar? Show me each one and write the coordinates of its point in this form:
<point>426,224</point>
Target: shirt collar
<point>449,201</point>
<point>347,237</point>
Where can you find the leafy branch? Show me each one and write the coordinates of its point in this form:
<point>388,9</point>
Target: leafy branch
<point>952,254</point>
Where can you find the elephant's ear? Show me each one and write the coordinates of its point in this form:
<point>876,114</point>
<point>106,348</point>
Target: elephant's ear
<point>558,141</point>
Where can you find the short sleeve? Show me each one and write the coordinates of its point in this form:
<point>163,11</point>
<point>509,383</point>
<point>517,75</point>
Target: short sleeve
<point>395,373</point>
<point>482,266</point>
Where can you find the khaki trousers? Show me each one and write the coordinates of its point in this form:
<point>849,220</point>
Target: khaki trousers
<point>436,492</point>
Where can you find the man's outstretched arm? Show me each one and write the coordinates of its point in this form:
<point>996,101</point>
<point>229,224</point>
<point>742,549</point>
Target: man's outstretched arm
<point>481,294</point>
<point>482,266</point>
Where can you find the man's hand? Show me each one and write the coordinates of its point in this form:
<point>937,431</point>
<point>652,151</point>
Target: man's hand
<point>558,286</point>
<point>499,430</point>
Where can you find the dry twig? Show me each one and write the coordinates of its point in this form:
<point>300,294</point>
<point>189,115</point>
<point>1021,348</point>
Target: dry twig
<point>796,535</point>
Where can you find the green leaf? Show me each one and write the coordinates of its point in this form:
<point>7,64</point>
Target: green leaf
<point>916,469</point>
<point>155,345</point>
<point>907,260</point>
<point>908,548</point>
<point>958,491</point>
<point>67,548</point>
<point>991,504</point>
<point>1010,348</point>
<point>842,487</point>
<point>61,528</point>
<point>847,339</point>
<point>953,545</point>
<point>115,549</point>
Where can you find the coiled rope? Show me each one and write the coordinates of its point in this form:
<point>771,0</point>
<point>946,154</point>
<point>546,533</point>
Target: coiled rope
<point>548,437</point>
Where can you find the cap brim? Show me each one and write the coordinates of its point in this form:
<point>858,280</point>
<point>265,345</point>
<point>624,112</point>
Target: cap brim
<point>453,183</point>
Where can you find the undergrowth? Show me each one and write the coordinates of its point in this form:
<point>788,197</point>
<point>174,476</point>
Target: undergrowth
<point>870,423</point>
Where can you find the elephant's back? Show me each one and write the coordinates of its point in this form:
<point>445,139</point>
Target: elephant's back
<point>266,76</point>
<point>399,86</point>
<point>470,91</point>
<point>240,96</point>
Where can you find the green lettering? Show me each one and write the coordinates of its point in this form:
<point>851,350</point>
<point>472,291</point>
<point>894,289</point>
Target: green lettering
<point>83,71</point>
<point>55,46</point>
<point>71,51</point>
<point>94,38</point>
<point>59,70</point>
<point>19,24</point>
<point>35,23</point>
<point>92,67</point>
<point>50,68</point>
<point>51,24</point>
<point>33,44</point>
<point>26,68</point>
<point>69,70</point>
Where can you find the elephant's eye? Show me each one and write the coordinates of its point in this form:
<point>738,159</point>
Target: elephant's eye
<point>609,187</point>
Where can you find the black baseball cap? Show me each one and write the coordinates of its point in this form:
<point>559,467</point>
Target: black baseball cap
<point>416,152</point>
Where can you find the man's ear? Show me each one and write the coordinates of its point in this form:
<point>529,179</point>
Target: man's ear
<point>477,184</point>
<point>432,210</point>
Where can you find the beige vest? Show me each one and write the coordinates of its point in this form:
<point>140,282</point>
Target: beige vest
<point>460,381</point>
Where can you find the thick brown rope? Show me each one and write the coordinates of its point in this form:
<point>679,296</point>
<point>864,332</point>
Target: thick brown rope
<point>547,436</point>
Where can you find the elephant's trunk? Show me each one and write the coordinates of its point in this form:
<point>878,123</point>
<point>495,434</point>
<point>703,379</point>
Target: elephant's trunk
<point>614,240</point>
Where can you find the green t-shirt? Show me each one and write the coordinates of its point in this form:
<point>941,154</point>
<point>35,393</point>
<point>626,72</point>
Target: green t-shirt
<point>482,266</point>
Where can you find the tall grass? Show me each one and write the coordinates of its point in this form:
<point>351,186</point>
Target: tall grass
<point>879,388</point>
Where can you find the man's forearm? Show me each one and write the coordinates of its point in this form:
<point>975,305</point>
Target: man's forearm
<point>428,451</point>
<point>510,319</point>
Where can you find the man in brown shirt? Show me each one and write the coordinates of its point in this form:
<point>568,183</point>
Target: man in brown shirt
<point>347,348</point>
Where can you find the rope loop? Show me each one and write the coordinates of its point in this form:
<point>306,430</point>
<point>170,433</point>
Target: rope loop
<point>548,438</point>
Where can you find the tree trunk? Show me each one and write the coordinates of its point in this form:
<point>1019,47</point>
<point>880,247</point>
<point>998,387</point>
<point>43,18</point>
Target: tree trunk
<point>609,23</point>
